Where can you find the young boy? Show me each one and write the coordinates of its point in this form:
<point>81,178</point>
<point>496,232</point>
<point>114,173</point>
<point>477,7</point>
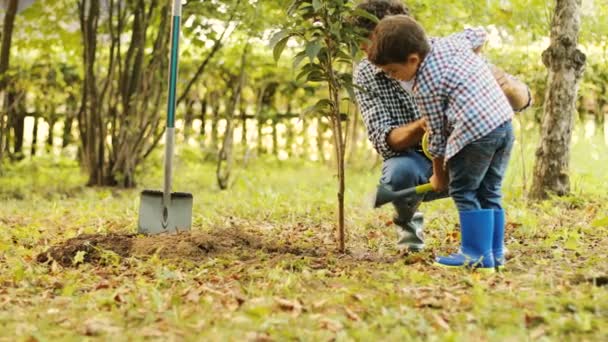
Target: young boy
<point>469,120</point>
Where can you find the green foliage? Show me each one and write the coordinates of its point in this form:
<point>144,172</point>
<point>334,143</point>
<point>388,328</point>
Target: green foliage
<point>328,39</point>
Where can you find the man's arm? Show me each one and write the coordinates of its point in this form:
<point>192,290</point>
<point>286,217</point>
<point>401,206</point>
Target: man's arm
<point>387,136</point>
<point>515,90</point>
<point>404,137</point>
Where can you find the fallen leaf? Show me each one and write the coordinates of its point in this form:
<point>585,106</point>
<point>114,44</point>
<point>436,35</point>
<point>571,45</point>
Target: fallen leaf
<point>98,326</point>
<point>441,322</point>
<point>331,325</point>
<point>288,305</point>
<point>352,315</point>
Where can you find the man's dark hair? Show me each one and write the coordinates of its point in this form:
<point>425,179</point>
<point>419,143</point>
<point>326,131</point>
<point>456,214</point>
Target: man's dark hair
<point>380,9</point>
<point>395,39</point>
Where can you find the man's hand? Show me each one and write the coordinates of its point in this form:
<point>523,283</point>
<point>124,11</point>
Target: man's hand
<point>515,91</point>
<point>404,137</point>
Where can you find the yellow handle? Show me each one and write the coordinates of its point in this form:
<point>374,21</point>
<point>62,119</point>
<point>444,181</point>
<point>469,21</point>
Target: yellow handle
<point>425,145</point>
<point>424,188</point>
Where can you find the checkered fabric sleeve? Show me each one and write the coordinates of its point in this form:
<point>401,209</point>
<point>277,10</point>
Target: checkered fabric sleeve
<point>475,36</point>
<point>384,106</point>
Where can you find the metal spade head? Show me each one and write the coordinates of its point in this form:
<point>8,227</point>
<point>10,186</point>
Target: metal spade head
<point>385,195</point>
<point>156,217</point>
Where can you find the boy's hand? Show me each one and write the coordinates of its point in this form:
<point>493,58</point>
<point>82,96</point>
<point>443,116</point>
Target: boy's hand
<point>438,183</point>
<point>439,180</point>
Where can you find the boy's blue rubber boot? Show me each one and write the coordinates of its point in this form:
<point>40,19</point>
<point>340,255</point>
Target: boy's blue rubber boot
<point>476,236</point>
<point>498,241</point>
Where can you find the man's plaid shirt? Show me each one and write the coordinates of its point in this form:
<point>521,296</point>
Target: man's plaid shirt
<point>457,93</point>
<point>384,105</point>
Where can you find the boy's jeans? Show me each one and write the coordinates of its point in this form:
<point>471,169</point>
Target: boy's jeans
<point>476,171</point>
<point>404,171</point>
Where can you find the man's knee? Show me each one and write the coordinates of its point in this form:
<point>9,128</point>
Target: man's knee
<point>402,172</point>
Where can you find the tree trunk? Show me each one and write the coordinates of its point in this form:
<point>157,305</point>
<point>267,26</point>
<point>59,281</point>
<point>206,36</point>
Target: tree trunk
<point>18,130</point>
<point>34,138</point>
<point>215,109</point>
<point>354,136</point>
<point>224,163</point>
<point>275,137</point>
<point>16,114</point>
<point>67,131</point>
<point>203,115</point>
<point>565,64</point>
<point>321,127</point>
<point>51,135</point>
<point>188,119</point>
<point>305,141</point>
<point>243,112</point>
<point>7,36</point>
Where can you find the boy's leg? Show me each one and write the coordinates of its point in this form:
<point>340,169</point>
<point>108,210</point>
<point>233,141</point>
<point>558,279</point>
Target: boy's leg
<point>467,170</point>
<point>490,189</point>
<point>405,171</point>
<point>490,193</point>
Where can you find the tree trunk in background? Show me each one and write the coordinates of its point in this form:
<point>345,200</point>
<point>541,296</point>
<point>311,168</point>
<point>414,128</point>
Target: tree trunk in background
<point>215,118</point>
<point>243,112</point>
<point>354,136</point>
<point>18,128</point>
<point>15,126</point>
<point>188,119</point>
<point>321,127</point>
<point>120,120</point>
<point>66,138</point>
<point>225,157</point>
<point>305,141</point>
<point>565,64</point>
<point>72,108</point>
<point>5,48</point>
<point>34,137</point>
<point>203,116</point>
<point>260,120</point>
<point>275,137</point>
<point>51,135</point>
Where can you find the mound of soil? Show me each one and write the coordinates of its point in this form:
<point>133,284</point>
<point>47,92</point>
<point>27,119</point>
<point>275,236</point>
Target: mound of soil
<point>91,244</point>
<point>193,246</point>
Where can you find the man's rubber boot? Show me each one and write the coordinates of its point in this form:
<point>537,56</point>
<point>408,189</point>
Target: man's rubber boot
<point>476,236</point>
<point>498,240</point>
<point>410,224</point>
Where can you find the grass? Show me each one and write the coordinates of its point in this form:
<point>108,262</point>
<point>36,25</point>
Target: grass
<point>554,289</point>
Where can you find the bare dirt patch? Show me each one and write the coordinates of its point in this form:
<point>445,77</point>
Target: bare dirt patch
<point>192,246</point>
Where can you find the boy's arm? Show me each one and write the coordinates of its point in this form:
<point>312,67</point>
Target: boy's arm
<point>431,107</point>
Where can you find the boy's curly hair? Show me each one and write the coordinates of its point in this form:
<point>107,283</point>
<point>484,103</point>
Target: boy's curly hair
<point>380,9</point>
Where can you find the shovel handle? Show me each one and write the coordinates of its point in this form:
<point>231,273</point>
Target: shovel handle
<point>171,100</point>
<point>424,188</point>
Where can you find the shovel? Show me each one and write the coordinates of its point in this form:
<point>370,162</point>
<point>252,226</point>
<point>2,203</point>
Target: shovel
<point>163,211</point>
<point>385,195</point>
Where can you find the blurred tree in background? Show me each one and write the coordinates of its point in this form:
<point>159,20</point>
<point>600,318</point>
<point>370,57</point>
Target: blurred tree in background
<point>86,79</point>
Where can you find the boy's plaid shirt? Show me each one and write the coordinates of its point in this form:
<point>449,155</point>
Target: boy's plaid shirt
<point>455,89</point>
<point>384,105</point>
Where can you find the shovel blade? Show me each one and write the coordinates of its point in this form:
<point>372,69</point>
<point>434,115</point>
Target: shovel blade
<point>151,213</point>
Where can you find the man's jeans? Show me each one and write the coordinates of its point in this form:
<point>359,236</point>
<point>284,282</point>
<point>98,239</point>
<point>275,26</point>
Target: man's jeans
<point>476,171</point>
<point>405,171</point>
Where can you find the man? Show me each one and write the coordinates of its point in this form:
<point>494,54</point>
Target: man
<point>395,127</point>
